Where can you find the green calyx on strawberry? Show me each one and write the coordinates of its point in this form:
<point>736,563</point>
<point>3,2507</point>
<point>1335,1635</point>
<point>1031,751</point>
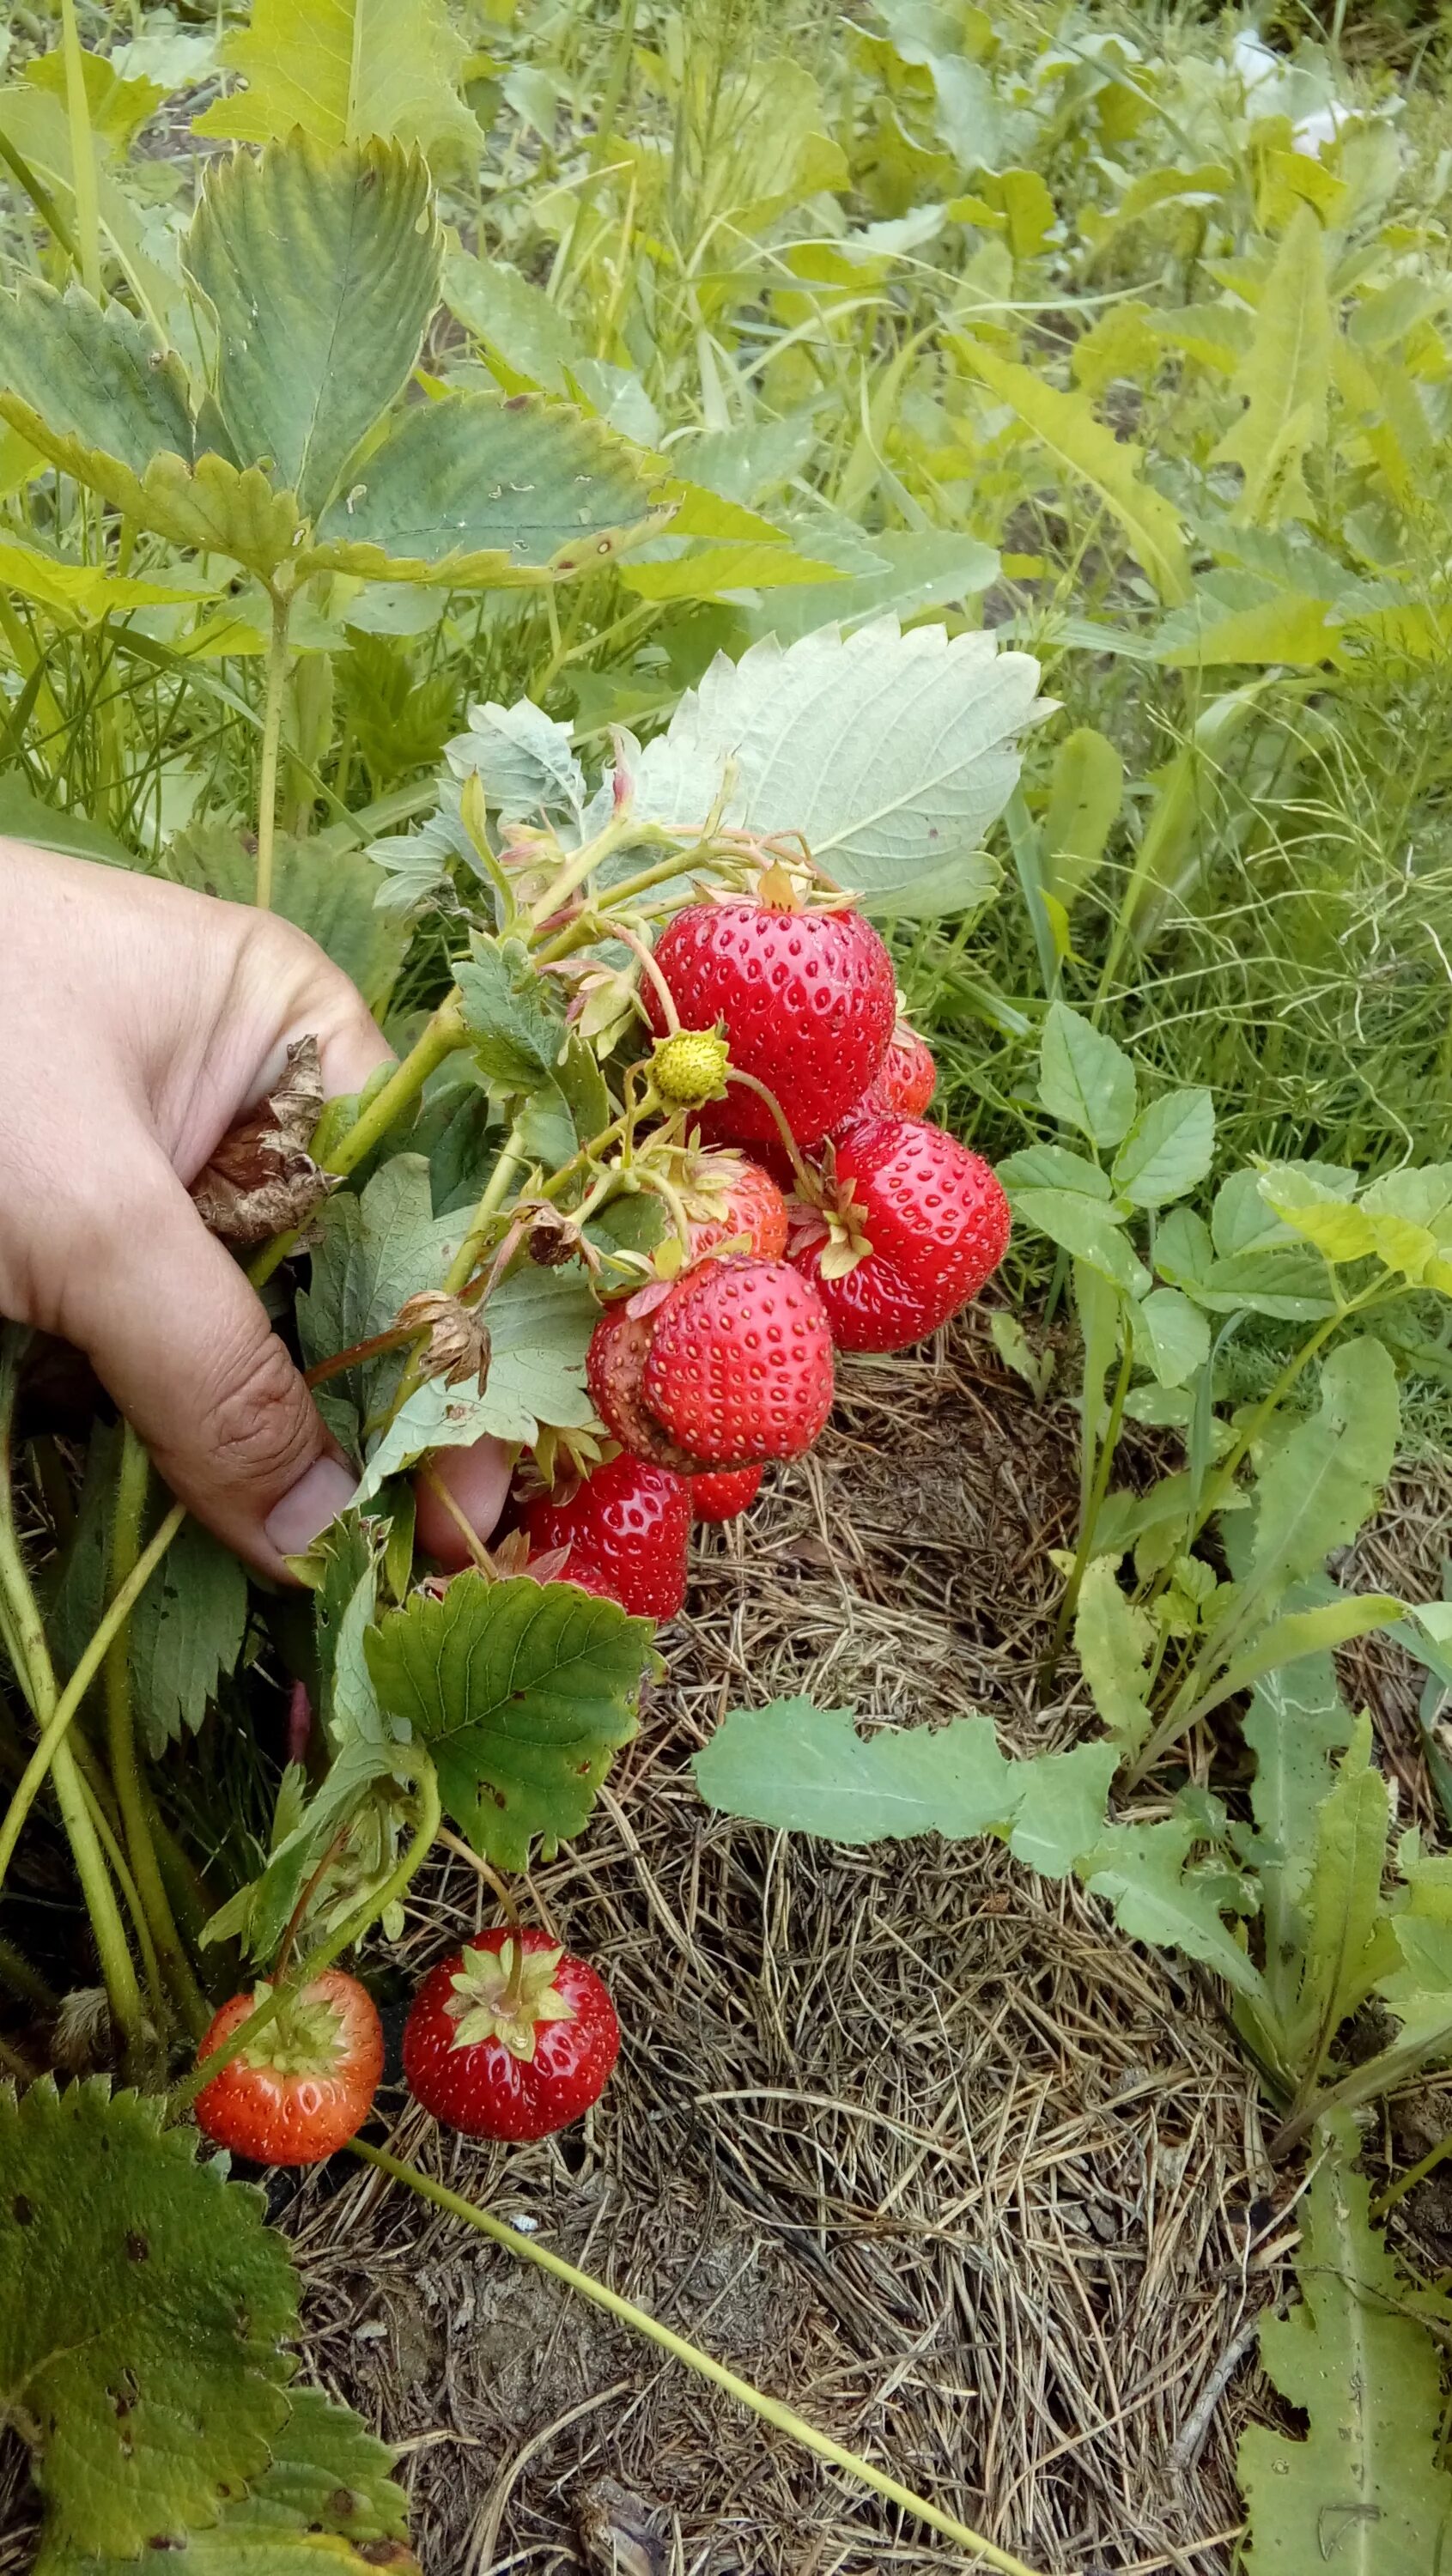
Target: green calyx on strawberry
<point>726,1366</point>
<point>507,1994</point>
<point>689,1067</point>
<point>804,995</point>
<point>626,1529</point>
<point>902,1228</point>
<point>730,1201</point>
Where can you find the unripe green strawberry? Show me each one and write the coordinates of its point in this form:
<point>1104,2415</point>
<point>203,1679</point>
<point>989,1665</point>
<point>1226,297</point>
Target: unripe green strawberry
<point>689,1067</point>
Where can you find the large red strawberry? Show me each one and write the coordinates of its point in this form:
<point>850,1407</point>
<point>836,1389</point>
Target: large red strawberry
<point>904,1082</point>
<point>627,1528</point>
<point>727,1197</point>
<point>911,1226</point>
<point>806,999</point>
<point>740,1362</point>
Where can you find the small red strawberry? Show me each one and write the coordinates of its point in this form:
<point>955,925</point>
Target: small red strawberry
<point>905,1082</point>
<point>306,2083</point>
<point>726,1197</point>
<point>740,1362</point>
<point>724,1494</point>
<point>910,1227</point>
<point>806,1001</point>
<point>627,1528</point>
<point>510,2037</point>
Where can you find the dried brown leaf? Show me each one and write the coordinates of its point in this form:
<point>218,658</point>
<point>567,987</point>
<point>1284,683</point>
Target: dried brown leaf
<point>262,1178</point>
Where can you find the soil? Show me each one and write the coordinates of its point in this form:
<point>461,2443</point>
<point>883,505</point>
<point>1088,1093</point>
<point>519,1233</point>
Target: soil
<point>913,2140</point>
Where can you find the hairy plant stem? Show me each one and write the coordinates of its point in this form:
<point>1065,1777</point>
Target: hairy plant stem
<point>769,2409</point>
<point>132,1480</point>
<point>25,1638</point>
<point>271,743</point>
<point>352,1929</point>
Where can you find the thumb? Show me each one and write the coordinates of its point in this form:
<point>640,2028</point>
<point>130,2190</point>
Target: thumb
<point>183,1344</point>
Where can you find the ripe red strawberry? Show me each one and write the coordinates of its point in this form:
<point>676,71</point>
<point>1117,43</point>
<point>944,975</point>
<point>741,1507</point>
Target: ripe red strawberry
<point>725,1196</point>
<point>912,1228</point>
<point>627,1528</point>
<point>614,1367</point>
<point>725,1494</point>
<point>510,2037</point>
<point>905,1082</point>
<point>806,999</point>
<point>306,2083</point>
<point>740,1362</point>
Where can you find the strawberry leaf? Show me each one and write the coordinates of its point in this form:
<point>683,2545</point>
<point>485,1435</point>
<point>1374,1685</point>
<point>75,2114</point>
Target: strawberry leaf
<point>522,1691</point>
<point>111,2233</point>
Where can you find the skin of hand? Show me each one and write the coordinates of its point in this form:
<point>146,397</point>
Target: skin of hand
<point>138,1021</point>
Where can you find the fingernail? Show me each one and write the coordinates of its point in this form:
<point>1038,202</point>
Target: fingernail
<point>317,1498</point>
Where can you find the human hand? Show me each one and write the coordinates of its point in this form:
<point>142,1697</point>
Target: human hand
<point>137,1022</point>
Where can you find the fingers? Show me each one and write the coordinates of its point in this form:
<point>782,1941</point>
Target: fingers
<point>290,989</point>
<point>182,1343</point>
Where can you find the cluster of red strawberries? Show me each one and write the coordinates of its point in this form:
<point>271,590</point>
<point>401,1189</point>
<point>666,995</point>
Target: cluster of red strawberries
<point>877,1231</point>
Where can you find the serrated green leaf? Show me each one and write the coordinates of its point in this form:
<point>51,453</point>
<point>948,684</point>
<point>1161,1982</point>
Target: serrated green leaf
<point>517,1032</point>
<point>85,592</point>
<point>1090,453</point>
<point>1296,1723</point>
<point>1085,1079</point>
<point>493,489</point>
<point>1173,1336</point>
<point>1091,1232</point>
<point>1285,379</point>
<point>326,2493</point>
<point>345,69</point>
<point>1243,1219</point>
<point>1141,1870</point>
<point>916,570</point>
<point>1168,1149</point>
<point>186,1632</point>
<point>808,1770</point>
<point>371,1253</point>
<point>523,760</point>
<point>303,253</point>
<point>1363,2490</point>
<point>1084,800</point>
<point>519,324</point>
<point>892,754</point>
<point>523,1691</point>
<point>1112,1638</point>
<point>1314,1494</point>
<point>1288,1288</point>
<point>111,2235</point>
<point>540,1323</point>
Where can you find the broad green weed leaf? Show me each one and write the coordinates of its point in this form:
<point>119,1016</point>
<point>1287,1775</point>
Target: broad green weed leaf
<point>1084,1078</point>
<point>1091,454</point>
<point>918,569</point>
<point>1285,379</point>
<point>114,2234</point>
<point>1308,1632</point>
<point>1295,1725</point>
<point>521,327</point>
<point>1242,1219</point>
<point>487,489</point>
<point>1092,1233</point>
<point>1168,1149</point>
<point>1112,1638</point>
<point>1084,800</point>
<point>326,2500</point>
<point>1362,2488</point>
<point>370,1253</point>
<point>523,1692</point>
<point>719,572</point>
<point>518,1034</point>
<point>23,817</point>
<point>1314,1494</point>
<point>1054,1167</point>
<point>1237,616</point>
<point>1173,1335</point>
<point>343,70</point>
<point>303,253</point>
<point>1348,1942</point>
<point>1142,1871</point>
<point>523,760</point>
<point>807,1770</point>
<point>892,753</point>
<point>85,592</point>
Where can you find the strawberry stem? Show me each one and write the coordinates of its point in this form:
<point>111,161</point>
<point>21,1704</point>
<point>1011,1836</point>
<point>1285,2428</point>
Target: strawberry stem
<point>734,1074</point>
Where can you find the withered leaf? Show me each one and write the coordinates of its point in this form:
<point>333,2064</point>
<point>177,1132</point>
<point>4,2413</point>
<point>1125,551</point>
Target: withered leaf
<point>618,2534</point>
<point>262,1178</point>
<point>458,1343</point>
